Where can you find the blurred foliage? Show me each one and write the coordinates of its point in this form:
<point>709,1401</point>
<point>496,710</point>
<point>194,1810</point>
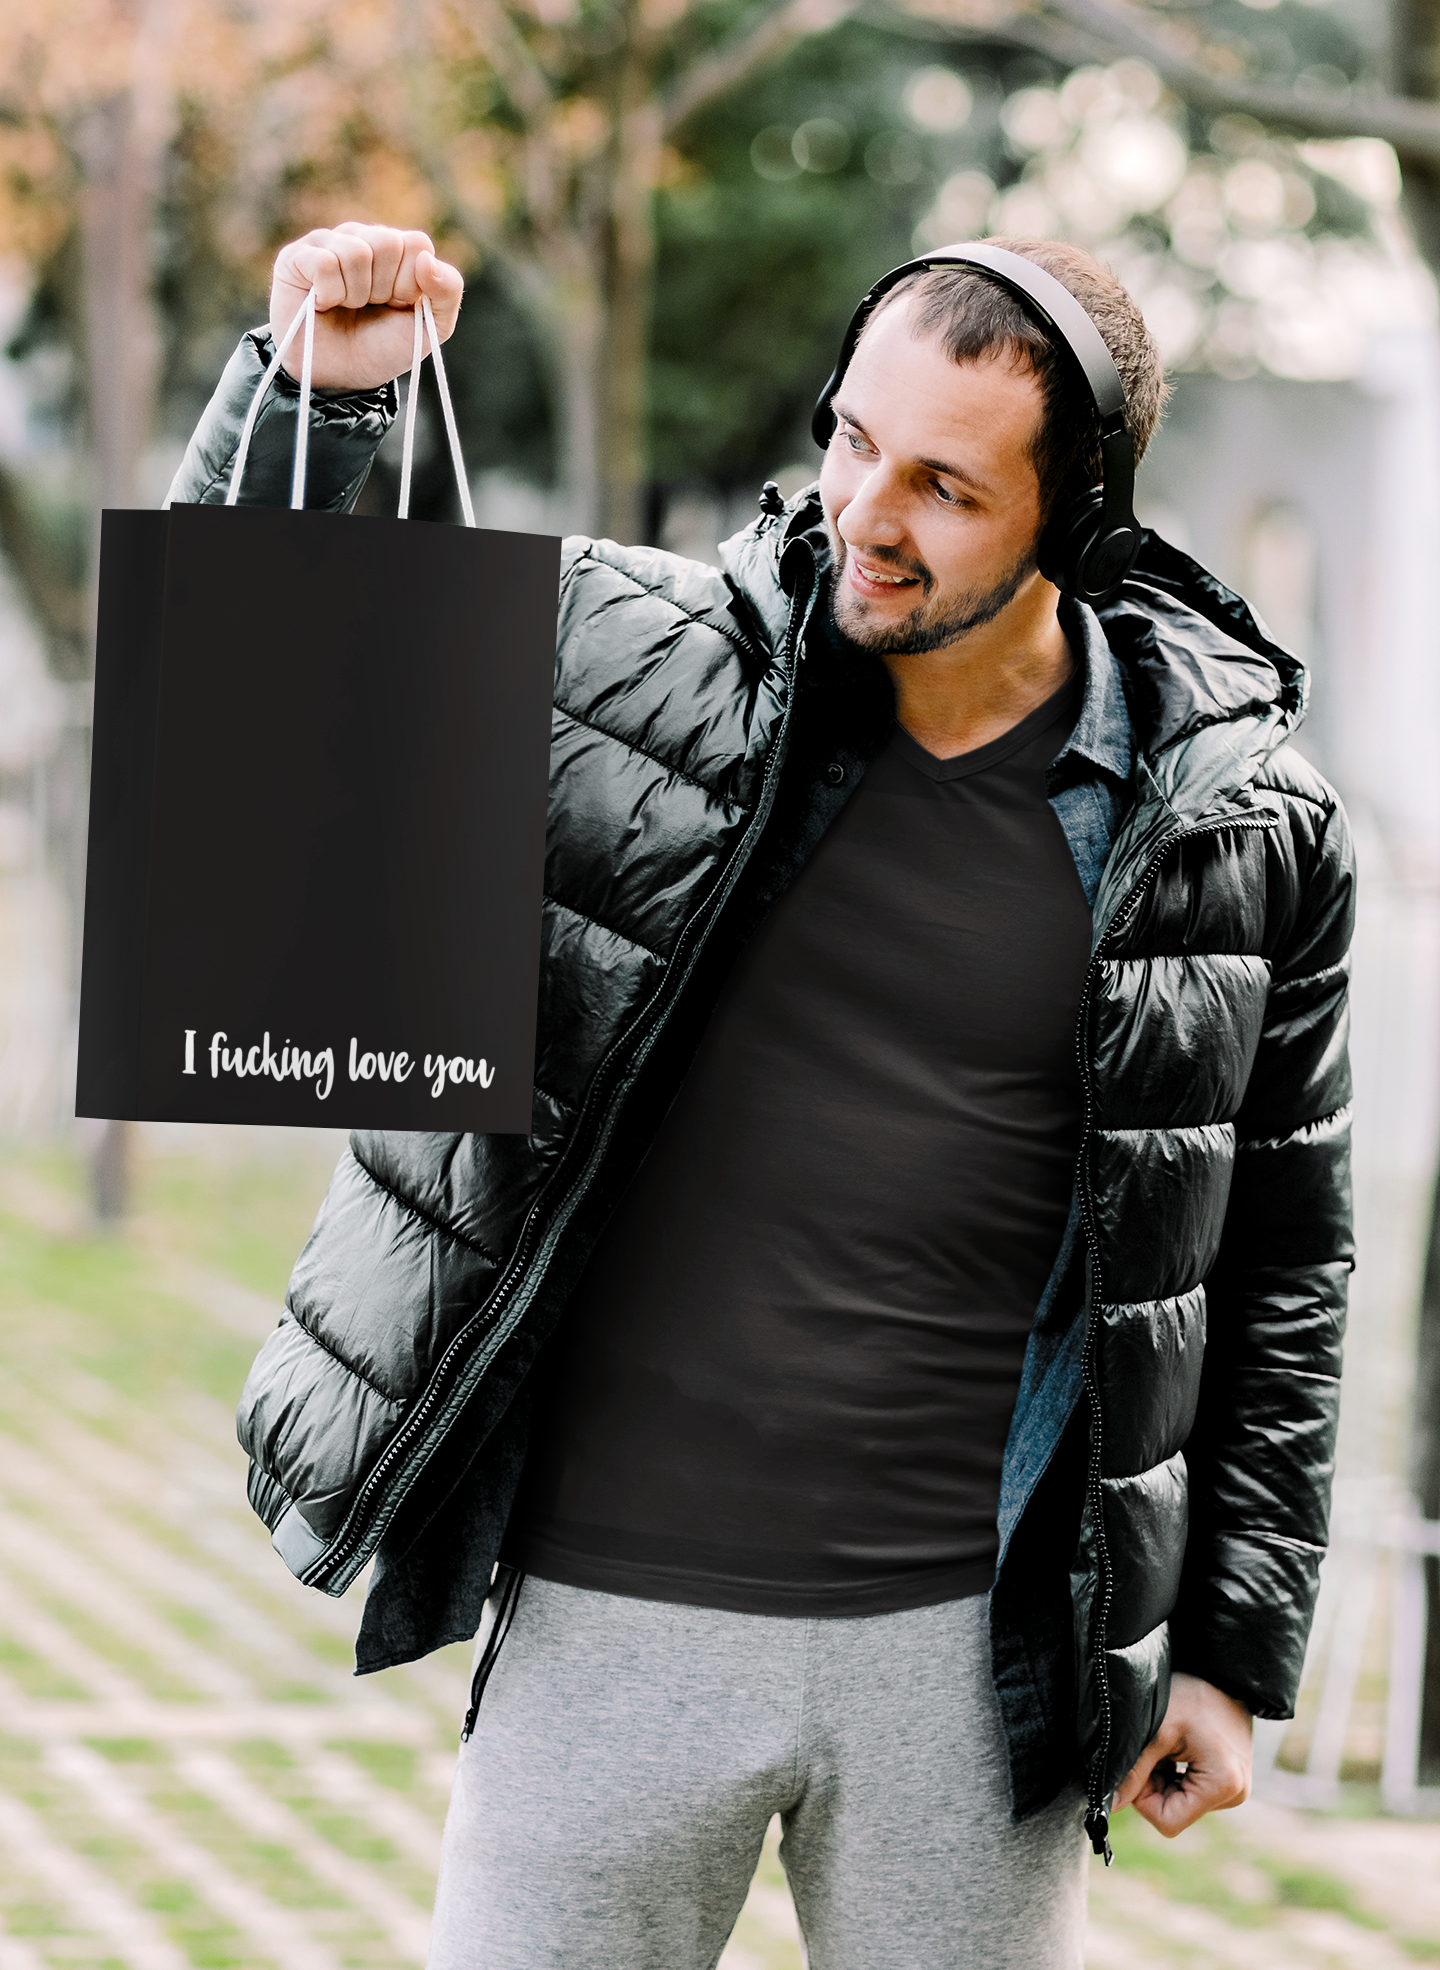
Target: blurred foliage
<point>1248,250</point>
<point>666,210</point>
<point>761,259</point>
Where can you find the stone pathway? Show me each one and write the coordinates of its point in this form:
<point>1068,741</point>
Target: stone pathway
<point>189,1774</point>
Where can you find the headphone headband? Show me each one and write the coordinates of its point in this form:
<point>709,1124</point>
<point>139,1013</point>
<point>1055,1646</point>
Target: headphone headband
<point>1057,310</point>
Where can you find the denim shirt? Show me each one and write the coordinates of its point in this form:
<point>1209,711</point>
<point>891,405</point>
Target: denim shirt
<point>1090,785</point>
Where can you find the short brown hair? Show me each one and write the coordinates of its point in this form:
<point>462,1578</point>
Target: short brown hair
<point>974,317</point>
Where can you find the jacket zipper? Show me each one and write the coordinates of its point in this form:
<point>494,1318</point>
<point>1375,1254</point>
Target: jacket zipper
<point>329,1570</point>
<point>1097,1812</point>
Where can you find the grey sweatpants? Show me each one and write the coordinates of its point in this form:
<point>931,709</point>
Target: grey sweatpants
<point>609,1809</point>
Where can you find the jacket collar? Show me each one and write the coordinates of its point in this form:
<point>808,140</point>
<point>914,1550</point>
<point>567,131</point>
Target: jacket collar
<point>771,561</point>
<point>1211,696</point>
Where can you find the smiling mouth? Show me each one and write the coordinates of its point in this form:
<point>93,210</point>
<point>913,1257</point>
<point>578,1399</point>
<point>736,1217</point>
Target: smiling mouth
<point>879,576</point>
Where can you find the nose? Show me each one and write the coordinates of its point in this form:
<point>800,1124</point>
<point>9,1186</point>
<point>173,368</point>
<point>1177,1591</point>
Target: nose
<point>872,516</point>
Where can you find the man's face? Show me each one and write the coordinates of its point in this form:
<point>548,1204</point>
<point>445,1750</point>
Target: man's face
<point>930,495</point>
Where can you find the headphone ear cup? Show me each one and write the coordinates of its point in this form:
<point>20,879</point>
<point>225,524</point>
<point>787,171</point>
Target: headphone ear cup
<point>1084,554</point>
<point>1067,536</point>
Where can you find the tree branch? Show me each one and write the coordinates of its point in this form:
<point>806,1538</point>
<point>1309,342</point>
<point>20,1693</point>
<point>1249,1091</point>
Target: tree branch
<point>779,28</point>
<point>1412,127</point>
<point>505,49</point>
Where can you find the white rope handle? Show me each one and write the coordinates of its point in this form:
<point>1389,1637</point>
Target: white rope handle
<point>425,329</point>
<point>407,456</point>
<point>456,459</point>
<point>302,412</point>
<point>247,430</point>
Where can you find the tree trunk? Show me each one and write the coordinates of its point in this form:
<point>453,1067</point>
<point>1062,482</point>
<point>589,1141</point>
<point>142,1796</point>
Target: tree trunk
<point>575,309</point>
<point>628,249</point>
<point>122,336</point>
<point>118,159</point>
<point>593,296</point>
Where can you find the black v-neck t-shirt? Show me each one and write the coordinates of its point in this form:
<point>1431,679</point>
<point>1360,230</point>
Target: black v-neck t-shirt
<point>786,1379</point>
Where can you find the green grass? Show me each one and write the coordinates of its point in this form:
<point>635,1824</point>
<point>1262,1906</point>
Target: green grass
<point>1306,1887</point>
<point>1216,1867</point>
<point>395,1765</point>
<point>127,1750</point>
<point>1196,1868</point>
<point>209,1944</point>
<point>88,1327</point>
<point>116,1324</point>
<point>91,1628</point>
<point>36,1677</point>
<point>284,1777</point>
<point>247,1218</point>
<point>194,1927</point>
<point>263,1752</point>
<point>102,1307</point>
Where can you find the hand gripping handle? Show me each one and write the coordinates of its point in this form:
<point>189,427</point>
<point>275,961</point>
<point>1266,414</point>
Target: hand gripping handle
<point>425,330</point>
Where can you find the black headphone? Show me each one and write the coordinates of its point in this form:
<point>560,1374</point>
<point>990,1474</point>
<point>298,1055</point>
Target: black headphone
<point>1090,542</point>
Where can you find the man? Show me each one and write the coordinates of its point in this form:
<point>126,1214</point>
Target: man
<point>941,1056</point>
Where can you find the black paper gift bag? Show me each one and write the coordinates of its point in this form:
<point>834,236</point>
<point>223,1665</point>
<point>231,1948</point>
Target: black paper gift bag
<point>317,817</point>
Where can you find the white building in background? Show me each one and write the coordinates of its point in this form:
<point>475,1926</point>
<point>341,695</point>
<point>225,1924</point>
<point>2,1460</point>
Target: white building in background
<point>1321,503</point>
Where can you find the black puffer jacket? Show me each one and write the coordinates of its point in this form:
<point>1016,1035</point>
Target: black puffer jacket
<point>698,739</point>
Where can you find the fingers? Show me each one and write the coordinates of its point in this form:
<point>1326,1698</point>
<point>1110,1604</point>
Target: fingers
<point>1136,1783</point>
<point>445,286</point>
<point>1171,1808</point>
<point>386,251</point>
<point>394,254</point>
<point>1174,1800</point>
<point>336,264</point>
<point>360,266</point>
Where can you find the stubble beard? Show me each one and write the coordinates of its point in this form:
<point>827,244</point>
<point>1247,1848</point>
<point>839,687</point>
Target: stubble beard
<point>932,624</point>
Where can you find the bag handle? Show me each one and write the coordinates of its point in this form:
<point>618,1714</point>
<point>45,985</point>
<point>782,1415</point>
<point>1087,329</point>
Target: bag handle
<point>305,317</point>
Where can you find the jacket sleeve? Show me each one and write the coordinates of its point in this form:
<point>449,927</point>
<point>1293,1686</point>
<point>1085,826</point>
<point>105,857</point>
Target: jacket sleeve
<point>346,427</point>
<point>1261,1455</point>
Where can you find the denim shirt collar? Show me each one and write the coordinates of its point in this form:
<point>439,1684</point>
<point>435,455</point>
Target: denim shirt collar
<point>1102,737</point>
<point>1089,779</point>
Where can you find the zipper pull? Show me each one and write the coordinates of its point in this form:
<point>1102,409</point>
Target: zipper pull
<point>467,1730</point>
<point>1097,1825</point>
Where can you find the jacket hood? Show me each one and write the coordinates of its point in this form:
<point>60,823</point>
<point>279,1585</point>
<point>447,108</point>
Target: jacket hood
<point>1193,653</point>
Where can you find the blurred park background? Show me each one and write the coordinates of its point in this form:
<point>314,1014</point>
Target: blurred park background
<point>665,210</point>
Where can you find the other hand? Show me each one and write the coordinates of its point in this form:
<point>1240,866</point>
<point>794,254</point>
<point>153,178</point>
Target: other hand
<point>1209,1734</point>
<point>367,280</point>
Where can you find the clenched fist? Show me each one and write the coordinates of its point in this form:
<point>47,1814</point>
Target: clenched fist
<point>367,280</point>
<point>1208,1733</point>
